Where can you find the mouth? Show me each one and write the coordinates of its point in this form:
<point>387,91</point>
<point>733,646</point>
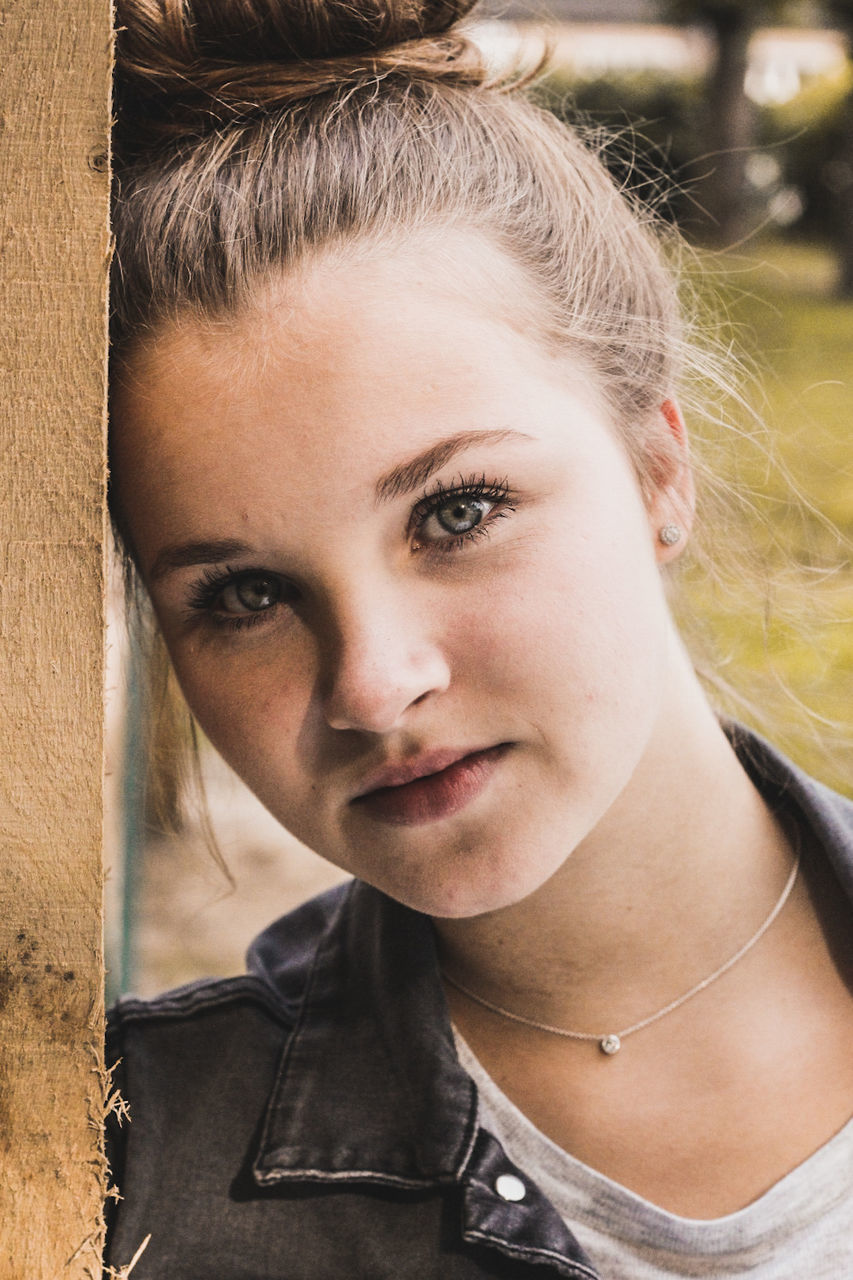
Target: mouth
<point>432,787</point>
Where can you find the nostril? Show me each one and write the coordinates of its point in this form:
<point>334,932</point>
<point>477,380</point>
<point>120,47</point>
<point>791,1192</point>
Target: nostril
<point>372,701</point>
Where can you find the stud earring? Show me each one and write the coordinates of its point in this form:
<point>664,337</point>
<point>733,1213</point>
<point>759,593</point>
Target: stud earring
<point>669,534</point>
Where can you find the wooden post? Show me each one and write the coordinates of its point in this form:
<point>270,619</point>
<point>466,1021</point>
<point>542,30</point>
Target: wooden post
<point>54,115</point>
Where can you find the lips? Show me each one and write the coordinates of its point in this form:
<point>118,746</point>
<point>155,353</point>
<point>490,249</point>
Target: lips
<point>398,775</point>
<point>429,788</point>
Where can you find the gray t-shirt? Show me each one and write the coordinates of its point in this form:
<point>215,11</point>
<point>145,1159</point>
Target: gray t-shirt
<point>802,1227</point>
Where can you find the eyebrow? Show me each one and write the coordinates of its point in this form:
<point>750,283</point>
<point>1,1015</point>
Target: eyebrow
<point>186,554</point>
<point>402,479</point>
<point>409,476</point>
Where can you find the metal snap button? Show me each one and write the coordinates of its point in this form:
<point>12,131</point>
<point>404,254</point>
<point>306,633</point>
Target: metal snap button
<point>509,1187</point>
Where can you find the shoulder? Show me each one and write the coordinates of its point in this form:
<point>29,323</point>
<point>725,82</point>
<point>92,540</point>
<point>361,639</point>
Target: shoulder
<point>188,1047</point>
<point>192,1069</point>
<point>783,783</point>
<point>182,1061</point>
<point>280,962</point>
<point>787,788</point>
<point>200,1029</point>
<point>195,1003</point>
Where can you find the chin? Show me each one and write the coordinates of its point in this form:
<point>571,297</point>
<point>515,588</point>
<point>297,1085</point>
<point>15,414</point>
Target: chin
<point>454,897</point>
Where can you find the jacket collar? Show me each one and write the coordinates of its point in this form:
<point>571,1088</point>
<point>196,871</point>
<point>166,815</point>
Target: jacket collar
<point>822,813</point>
<point>369,1087</point>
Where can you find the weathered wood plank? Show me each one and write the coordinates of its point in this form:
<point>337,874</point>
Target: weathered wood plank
<point>54,114</point>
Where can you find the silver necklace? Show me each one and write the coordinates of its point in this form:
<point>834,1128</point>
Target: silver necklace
<point>611,1042</point>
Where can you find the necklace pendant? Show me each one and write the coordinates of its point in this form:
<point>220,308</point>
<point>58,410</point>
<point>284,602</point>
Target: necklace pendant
<point>610,1045</point>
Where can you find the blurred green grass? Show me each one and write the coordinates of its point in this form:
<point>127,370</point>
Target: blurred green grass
<point>783,628</point>
<point>801,335</point>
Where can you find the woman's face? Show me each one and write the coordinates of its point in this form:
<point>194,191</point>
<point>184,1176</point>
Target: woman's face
<point>404,571</point>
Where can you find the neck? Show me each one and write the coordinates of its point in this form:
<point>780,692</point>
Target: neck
<point>675,878</point>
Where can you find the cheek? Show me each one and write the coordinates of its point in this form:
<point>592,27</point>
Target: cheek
<point>577,610</point>
<point>252,706</point>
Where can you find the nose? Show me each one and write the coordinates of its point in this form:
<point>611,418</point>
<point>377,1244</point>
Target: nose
<point>384,659</point>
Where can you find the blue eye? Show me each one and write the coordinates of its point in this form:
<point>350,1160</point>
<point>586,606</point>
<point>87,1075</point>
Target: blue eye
<point>460,515</point>
<point>448,518</point>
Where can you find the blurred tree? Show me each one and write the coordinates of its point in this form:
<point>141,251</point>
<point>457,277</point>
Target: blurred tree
<point>645,126</point>
<point>841,176</point>
<point>729,126</point>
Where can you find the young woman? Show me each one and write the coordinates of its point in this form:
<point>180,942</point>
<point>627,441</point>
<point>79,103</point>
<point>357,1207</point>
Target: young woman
<point>397,454</point>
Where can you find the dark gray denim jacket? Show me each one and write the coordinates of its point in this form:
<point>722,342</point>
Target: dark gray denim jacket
<point>311,1121</point>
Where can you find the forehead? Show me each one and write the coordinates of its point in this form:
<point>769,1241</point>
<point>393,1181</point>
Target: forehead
<point>348,290</point>
<point>431,327</point>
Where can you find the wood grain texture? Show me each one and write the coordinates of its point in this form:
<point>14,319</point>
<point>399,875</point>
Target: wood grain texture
<point>54,114</point>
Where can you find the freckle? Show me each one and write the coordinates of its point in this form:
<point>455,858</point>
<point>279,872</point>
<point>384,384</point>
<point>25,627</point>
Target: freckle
<point>68,975</point>
<point>48,968</point>
<point>25,957</point>
<point>22,937</point>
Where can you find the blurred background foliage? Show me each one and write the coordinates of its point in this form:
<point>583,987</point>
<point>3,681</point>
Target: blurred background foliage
<point>796,170</point>
<point>779,609</point>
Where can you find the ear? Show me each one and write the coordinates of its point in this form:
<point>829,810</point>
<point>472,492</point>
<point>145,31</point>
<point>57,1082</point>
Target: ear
<point>673,500</point>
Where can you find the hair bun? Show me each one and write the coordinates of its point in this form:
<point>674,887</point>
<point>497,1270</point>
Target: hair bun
<point>224,57</point>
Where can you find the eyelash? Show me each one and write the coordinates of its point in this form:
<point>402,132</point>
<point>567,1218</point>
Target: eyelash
<point>472,487</point>
<point>206,592</point>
